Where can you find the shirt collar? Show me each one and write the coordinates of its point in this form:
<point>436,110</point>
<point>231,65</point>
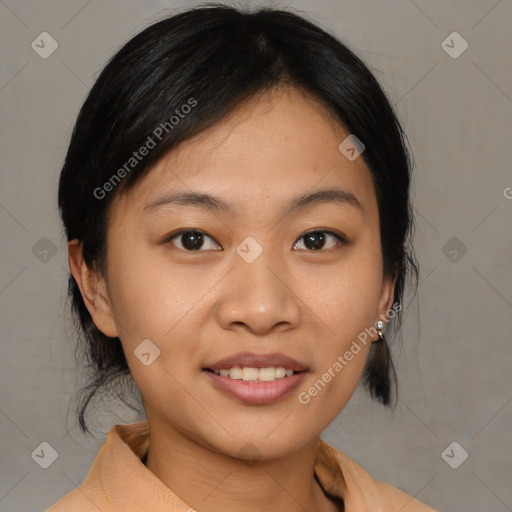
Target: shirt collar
<point>127,481</point>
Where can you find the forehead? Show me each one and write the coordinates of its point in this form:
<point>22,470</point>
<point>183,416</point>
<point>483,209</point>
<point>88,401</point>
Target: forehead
<point>275,146</point>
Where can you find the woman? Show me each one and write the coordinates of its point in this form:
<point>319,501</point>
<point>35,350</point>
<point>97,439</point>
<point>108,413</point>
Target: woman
<point>236,203</point>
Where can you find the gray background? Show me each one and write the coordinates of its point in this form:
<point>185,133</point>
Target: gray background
<point>455,362</point>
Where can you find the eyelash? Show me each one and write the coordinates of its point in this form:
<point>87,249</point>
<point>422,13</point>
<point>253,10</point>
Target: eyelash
<point>341,238</point>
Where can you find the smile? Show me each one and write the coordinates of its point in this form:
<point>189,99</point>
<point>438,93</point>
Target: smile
<point>249,374</point>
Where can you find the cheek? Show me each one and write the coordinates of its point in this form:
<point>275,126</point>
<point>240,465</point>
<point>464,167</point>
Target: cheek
<point>347,306</point>
<point>348,295</point>
<point>152,309</point>
<point>154,300</point>
<point>149,297</point>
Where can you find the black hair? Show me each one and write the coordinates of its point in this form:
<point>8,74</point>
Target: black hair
<point>180,76</point>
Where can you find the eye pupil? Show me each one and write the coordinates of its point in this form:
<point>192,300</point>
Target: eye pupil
<point>312,240</point>
<point>192,240</point>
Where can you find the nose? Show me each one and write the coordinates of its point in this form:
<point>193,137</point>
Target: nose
<point>259,297</point>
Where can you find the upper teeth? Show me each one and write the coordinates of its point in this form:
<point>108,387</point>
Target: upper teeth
<point>262,374</point>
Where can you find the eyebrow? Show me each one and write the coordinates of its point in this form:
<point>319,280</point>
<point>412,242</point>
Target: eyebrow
<point>212,203</point>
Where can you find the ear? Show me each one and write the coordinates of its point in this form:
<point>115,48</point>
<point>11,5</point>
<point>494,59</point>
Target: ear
<point>93,289</point>
<point>386,299</point>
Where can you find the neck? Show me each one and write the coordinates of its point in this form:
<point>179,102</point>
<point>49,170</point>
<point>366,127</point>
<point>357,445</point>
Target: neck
<point>222,483</point>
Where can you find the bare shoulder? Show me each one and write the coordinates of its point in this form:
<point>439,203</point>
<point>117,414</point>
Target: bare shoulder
<point>394,500</point>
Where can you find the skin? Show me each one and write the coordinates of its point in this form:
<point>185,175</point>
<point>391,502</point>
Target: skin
<point>201,306</point>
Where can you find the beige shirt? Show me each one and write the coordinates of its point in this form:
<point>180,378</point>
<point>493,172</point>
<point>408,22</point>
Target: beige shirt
<point>119,481</point>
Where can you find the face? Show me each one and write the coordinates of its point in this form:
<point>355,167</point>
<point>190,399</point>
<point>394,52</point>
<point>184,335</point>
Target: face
<point>253,276</point>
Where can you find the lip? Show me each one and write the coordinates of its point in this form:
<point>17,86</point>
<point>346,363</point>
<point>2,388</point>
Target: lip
<point>256,393</point>
<point>253,360</point>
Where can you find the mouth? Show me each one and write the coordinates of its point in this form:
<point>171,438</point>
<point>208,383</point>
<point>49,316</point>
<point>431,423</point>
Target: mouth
<point>253,374</point>
<point>253,366</point>
<point>256,379</point>
<point>255,392</point>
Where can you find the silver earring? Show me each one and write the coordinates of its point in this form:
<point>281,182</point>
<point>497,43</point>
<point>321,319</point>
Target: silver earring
<point>379,325</point>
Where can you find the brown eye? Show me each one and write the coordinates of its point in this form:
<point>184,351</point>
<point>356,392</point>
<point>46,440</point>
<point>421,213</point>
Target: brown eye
<point>191,240</point>
<point>316,240</point>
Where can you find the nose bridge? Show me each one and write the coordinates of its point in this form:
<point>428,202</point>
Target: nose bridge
<point>258,294</point>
